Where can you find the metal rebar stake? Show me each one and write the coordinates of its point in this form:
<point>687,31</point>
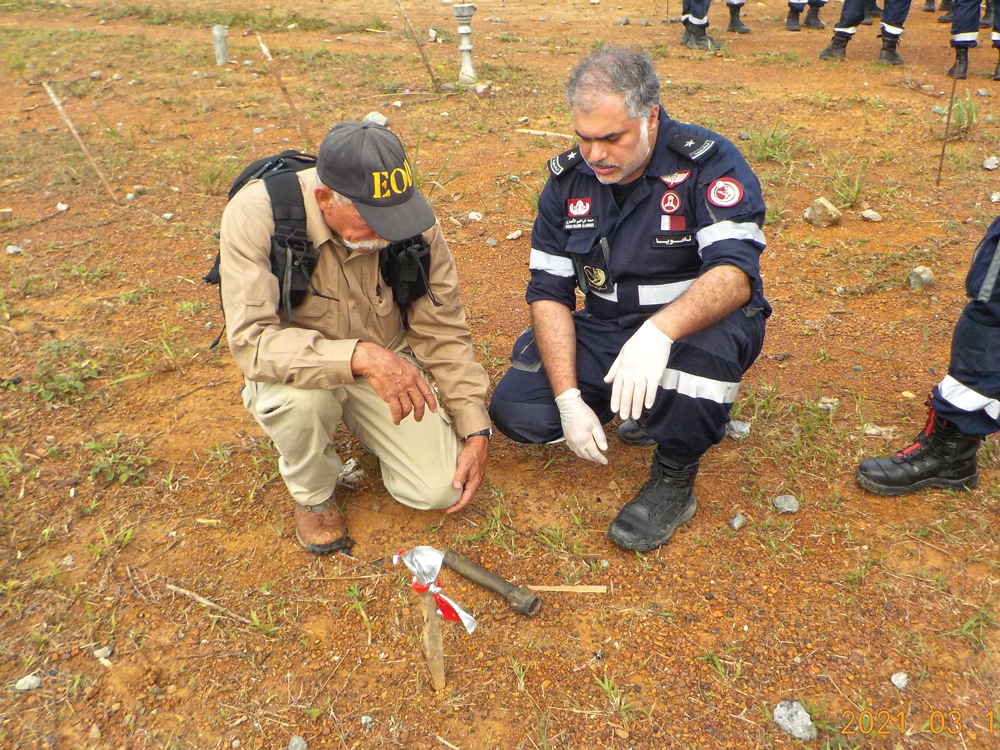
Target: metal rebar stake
<point>463,12</point>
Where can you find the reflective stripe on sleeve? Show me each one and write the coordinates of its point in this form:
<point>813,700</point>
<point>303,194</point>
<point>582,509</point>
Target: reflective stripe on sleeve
<point>730,230</point>
<point>964,398</point>
<point>897,30</point>
<point>696,386</point>
<point>662,294</point>
<point>851,30</point>
<point>556,265</point>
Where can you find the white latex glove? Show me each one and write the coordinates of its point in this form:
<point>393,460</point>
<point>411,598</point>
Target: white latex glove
<point>637,371</point>
<point>581,427</point>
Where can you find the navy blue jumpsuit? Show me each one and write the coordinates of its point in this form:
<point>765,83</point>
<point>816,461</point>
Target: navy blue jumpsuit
<point>969,395</point>
<point>893,18</point>
<point>697,206</point>
<point>965,24</point>
<point>696,11</point>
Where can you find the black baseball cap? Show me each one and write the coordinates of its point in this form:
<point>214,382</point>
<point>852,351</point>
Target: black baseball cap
<point>366,163</point>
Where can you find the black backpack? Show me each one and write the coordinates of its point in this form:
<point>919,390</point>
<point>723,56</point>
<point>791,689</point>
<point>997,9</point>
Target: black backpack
<point>405,265</point>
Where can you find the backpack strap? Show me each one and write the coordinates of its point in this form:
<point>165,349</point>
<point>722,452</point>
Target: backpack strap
<point>291,249</point>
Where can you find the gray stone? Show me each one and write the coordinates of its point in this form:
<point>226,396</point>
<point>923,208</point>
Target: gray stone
<point>795,720</point>
<point>14,250</point>
<point>116,77</point>
<point>939,111</point>
<point>991,162</point>
<point>920,277</point>
<point>297,743</point>
<point>377,117</point>
<point>785,504</point>
<point>104,653</point>
<point>822,214</point>
<point>644,22</point>
<point>858,368</point>
<point>900,680</point>
<point>29,682</point>
<point>367,722</point>
<point>139,189</point>
<point>95,732</point>
<point>515,235</point>
<point>737,522</point>
<point>258,131</point>
<point>623,21</point>
<point>475,216</point>
<point>982,92</point>
<point>130,196</point>
<point>737,430</point>
<point>743,135</point>
<point>995,197</point>
<point>96,75</point>
<point>869,215</point>
<point>167,217</point>
<point>491,242</point>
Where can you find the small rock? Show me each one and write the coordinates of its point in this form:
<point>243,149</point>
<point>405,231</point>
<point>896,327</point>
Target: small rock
<point>982,92</point>
<point>491,242</point>
<point>96,75</point>
<point>514,178</point>
<point>822,214</point>
<point>785,504</point>
<point>737,522</point>
<point>743,135</point>
<point>445,115</point>
<point>795,720</point>
<point>928,87</point>
<point>297,743</point>
<point>167,217</point>
<point>29,682</point>
<point>869,215</point>
<point>522,120</point>
<point>828,404</point>
<point>6,214</point>
<point>432,35</point>
<point>234,744</point>
<point>900,680</point>
<point>367,722</point>
<point>95,732</point>
<point>515,235</point>
<point>482,89</point>
<point>995,197</point>
<point>89,692</point>
<point>595,2</point>
<point>737,430</point>
<point>292,26</point>
<point>858,368</point>
<point>621,734</point>
<point>139,189</point>
<point>644,22</point>
<point>67,562</point>
<point>991,162</point>
<point>397,104</point>
<point>258,131</point>
<point>62,207</point>
<point>377,117</point>
<point>130,196</point>
<point>116,77</point>
<point>939,111</point>
<point>623,21</point>
<point>14,250</point>
<point>475,216</point>
<point>920,277</point>
<point>134,82</point>
<point>604,564</point>
<point>116,707</point>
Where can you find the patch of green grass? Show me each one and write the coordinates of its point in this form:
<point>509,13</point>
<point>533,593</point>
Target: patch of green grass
<point>61,370</point>
<point>117,459</point>
<point>771,145</point>
<point>976,629</point>
<point>162,14</point>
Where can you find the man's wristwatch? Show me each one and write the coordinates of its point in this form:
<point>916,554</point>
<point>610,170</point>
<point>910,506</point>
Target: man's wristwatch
<point>487,433</point>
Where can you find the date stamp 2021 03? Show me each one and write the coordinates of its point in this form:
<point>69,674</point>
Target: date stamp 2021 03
<point>937,722</point>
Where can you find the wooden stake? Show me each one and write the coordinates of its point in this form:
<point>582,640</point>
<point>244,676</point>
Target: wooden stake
<point>584,589</point>
<point>435,84</point>
<point>544,132</point>
<point>79,142</point>
<point>947,126</point>
<point>281,85</point>
<point>433,649</point>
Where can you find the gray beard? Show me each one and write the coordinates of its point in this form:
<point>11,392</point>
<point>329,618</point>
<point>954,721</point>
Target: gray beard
<point>366,246</point>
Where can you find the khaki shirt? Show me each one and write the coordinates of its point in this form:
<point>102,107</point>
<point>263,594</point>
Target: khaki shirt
<point>315,351</point>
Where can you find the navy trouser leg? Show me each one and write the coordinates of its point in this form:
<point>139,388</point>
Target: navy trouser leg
<point>851,16</point>
<point>691,409</point>
<point>800,5</point>
<point>894,18</point>
<point>695,11</point>
<point>965,26</point>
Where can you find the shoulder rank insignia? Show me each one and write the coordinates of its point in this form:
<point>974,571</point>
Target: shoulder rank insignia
<point>694,147</point>
<point>559,164</point>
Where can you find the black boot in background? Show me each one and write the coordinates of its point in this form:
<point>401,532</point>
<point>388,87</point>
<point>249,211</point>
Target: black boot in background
<point>735,24</point>
<point>792,20</point>
<point>888,54</point>
<point>960,69</point>
<point>837,49</point>
<point>986,21</point>
<point>812,18</point>
<point>941,456</point>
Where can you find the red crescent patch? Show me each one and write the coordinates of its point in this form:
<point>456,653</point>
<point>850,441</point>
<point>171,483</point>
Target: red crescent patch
<point>725,192</point>
<point>670,202</point>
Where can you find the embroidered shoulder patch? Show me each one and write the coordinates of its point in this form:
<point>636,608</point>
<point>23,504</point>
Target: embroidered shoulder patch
<point>694,147</point>
<point>559,164</point>
<point>725,192</point>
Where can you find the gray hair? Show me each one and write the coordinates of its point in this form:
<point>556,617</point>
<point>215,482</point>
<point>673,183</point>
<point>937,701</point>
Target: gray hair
<point>629,74</point>
<point>342,200</point>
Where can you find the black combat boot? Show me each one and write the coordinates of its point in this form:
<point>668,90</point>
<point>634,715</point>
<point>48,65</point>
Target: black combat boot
<point>735,24</point>
<point>837,49</point>
<point>986,21</point>
<point>996,73</point>
<point>960,69</point>
<point>686,36</point>
<point>812,18</point>
<point>868,19</point>
<point>699,39</point>
<point>792,20</point>
<point>947,6</point>
<point>948,17</point>
<point>662,504</point>
<point>876,11</point>
<point>928,6</point>
<point>888,54</point>
<point>633,432</point>
<point>941,456</point>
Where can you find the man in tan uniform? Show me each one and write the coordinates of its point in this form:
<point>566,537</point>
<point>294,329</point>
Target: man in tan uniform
<point>349,352</point>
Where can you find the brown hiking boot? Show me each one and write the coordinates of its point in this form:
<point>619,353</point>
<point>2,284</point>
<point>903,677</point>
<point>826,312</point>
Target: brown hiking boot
<point>320,528</point>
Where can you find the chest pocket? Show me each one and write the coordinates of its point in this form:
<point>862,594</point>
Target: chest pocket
<point>589,252</point>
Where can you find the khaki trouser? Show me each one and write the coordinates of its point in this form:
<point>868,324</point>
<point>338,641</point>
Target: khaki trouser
<point>418,459</point>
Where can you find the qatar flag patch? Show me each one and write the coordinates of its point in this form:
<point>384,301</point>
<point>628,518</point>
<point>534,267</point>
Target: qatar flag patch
<point>673,224</point>
<point>670,203</point>
<point>578,206</point>
<point>725,192</point>
<point>672,180</point>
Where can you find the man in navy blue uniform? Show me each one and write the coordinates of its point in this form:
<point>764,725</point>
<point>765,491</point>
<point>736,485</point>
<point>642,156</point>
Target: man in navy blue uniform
<point>965,406</point>
<point>853,14</point>
<point>965,27</point>
<point>658,223</point>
